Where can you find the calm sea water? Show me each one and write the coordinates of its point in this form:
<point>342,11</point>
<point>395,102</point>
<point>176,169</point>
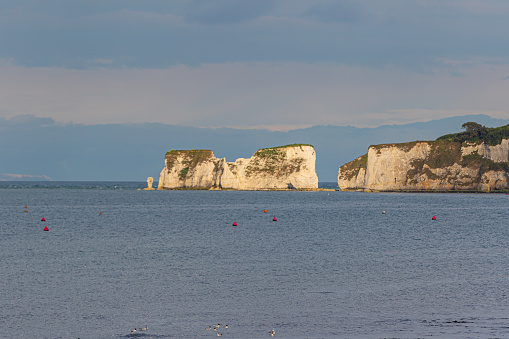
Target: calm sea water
<point>331,266</point>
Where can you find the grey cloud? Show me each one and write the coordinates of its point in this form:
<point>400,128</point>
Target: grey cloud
<point>82,8</point>
<point>337,11</point>
<point>226,11</point>
<point>62,33</point>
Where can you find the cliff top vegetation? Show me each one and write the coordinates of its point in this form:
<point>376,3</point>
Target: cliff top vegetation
<point>476,133</point>
<point>351,169</point>
<point>273,161</point>
<point>285,146</point>
<point>190,159</point>
<point>191,151</point>
<point>404,146</point>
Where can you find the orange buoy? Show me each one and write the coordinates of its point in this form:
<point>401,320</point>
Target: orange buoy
<point>274,219</point>
<point>265,211</point>
<point>101,213</point>
<point>46,228</point>
<point>234,223</point>
<point>434,218</point>
<point>43,219</point>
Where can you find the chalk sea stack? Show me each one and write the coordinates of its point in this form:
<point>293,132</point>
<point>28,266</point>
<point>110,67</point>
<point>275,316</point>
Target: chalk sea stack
<point>150,182</point>
<point>284,167</point>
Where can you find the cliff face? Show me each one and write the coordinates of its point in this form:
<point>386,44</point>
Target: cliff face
<point>194,168</point>
<point>423,165</point>
<point>284,167</point>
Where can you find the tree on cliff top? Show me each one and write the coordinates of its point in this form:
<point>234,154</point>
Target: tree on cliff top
<point>475,132</point>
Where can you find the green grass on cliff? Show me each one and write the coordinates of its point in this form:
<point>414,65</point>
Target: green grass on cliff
<point>266,160</point>
<point>272,161</point>
<point>351,170</point>
<point>477,134</point>
<point>190,159</point>
<point>285,146</point>
<point>485,165</point>
<point>187,151</point>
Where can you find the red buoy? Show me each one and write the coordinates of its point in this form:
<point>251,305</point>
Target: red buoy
<point>46,228</point>
<point>274,219</point>
<point>43,219</point>
<point>434,218</point>
<point>234,223</point>
<point>265,211</point>
<point>100,212</point>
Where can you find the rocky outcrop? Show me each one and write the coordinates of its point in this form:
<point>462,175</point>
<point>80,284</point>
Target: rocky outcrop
<point>497,153</point>
<point>429,165</point>
<point>285,167</point>
<point>149,187</point>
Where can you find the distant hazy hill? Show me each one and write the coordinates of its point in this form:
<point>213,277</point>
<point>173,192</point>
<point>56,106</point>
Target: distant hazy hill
<point>132,152</point>
<point>23,177</point>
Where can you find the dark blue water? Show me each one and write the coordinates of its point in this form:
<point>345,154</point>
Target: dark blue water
<point>331,266</point>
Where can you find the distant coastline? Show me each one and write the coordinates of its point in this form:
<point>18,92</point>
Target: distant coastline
<point>23,177</point>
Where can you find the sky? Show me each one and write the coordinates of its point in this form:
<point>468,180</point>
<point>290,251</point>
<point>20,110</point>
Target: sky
<point>271,64</point>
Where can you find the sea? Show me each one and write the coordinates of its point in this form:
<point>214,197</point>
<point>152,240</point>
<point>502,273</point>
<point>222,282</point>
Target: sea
<point>330,265</point>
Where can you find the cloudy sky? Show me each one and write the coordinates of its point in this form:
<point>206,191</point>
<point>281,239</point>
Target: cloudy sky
<point>275,64</point>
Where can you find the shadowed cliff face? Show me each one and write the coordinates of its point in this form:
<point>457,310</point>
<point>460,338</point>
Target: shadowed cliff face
<point>283,167</point>
<point>423,165</point>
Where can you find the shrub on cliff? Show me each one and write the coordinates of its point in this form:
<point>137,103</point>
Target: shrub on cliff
<point>477,133</point>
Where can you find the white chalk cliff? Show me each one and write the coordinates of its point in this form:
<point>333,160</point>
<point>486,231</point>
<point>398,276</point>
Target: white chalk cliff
<point>285,167</point>
<point>429,165</point>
